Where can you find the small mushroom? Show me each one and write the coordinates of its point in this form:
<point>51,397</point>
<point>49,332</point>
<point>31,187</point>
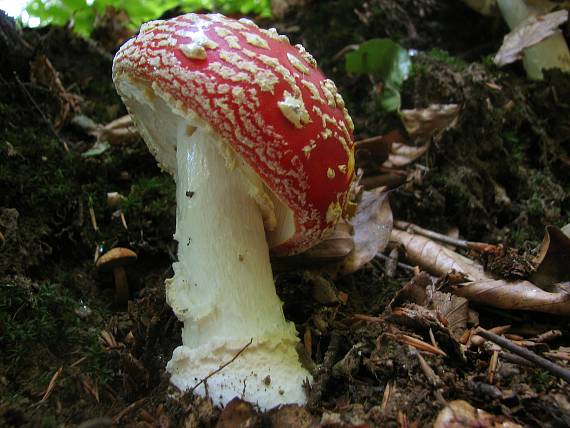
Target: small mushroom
<point>115,260</point>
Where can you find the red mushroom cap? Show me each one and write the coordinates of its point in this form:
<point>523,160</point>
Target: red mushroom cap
<point>264,97</point>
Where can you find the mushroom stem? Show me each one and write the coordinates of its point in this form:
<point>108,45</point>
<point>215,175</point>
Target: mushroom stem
<point>552,52</point>
<point>223,287</point>
<point>121,285</point>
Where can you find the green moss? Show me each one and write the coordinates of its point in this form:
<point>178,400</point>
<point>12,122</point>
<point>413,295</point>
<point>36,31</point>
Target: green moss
<point>447,58</point>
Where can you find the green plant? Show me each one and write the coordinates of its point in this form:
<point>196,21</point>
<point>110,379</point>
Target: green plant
<point>386,61</point>
<point>83,12</point>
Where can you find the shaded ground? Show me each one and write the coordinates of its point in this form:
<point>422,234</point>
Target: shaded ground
<point>500,175</point>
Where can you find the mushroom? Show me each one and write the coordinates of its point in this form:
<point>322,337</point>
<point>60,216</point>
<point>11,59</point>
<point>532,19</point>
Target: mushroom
<point>115,260</point>
<point>551,52</point>
<point>260,145</point>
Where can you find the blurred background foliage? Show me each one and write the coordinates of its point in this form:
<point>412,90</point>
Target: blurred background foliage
<point>83,13</point>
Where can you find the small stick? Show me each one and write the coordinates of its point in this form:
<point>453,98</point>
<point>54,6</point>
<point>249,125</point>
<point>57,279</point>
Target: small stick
<point>547,336</point>
<point>392,263</point>
<point>492,367</point>
<point>386,396</point>
<point>555,369</point>
<point>368,318</point>
<point>370,140</point>
<point>420,344</point>
<point>223,366</point>
<point>404,266</point>
<point>127,409</point>
<point>462,243</point>
<point>432,338</point>
<point>51,384</point>
<point>478,341</point>
<point>431,376</point>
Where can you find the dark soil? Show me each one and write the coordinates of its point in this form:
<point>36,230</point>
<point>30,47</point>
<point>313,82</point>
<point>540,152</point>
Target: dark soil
<point>499,176</point>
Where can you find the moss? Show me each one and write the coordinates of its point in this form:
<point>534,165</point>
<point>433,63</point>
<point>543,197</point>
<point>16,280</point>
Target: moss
<point>444,56</point>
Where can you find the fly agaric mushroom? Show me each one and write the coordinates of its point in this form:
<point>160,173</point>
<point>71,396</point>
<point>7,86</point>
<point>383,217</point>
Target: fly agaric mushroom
<point>260,145</point>
<point>115,260</point>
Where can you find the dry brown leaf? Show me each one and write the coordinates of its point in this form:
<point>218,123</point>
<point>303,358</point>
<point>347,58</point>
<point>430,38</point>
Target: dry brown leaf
<point>331,250</point>
<point>461,414</point>
<point>420,304</point>
<point>431,121</point>
<point>373,152</point>
<point>372,225</point>
<point>519,295</point>
<point>552,260</point>
<point>402,155</point>
<point>528,33</point>
<point>436,258</point>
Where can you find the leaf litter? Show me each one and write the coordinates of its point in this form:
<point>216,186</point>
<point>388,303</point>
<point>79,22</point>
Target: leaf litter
<point>374,340</point>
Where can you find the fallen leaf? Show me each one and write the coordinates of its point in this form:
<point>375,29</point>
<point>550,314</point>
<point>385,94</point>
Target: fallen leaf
<point>238,414</point>
<point>374,151</point>
<point>333,249</point>
<point>291,415</point>
<point>528,33</point>
<point>372,225</point>
<point>436,258</point>
<point>402,155</point>
<point>419,304</point>
<point>430,121</point>
<point>518,295</point>
<point>461,414</point>
<point>552,260</point>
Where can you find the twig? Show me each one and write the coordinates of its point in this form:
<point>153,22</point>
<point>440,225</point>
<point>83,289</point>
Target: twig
<point>492,367</point>
<point>419,344</point>
<point>404,266</point>
<point>370,140</point>
<point>386,396</point>
<point>462,243</point>
<point>51,384</point>
<point>40,111</point>
<point>223,366</point>
<point>555,369</point>
<point>127,409</point>
<point>431,376</point>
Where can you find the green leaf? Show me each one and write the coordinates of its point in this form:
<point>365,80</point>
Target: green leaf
<point>387,61</point>
<point>390,99</point>
<point>383,58</point>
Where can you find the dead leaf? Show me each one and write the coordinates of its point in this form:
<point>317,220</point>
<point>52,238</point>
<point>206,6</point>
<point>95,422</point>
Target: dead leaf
<point>238,414</point>
<point>372,225</point>
<point>419,304</point>
<point>460,414</point>
<point>333,249</point>
<point>436,258</point>
<point>376,150</point>
<point>431,121</point>
<point>518,295</point>
<point>291,415</point>
<point>528,33</point>
<point>402,155</point>
<point>552,260</point>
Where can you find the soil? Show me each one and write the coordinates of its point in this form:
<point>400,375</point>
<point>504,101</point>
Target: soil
<point>500,175</point>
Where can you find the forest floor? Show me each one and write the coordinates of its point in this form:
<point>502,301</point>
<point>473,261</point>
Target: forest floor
<point>70,355</point>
